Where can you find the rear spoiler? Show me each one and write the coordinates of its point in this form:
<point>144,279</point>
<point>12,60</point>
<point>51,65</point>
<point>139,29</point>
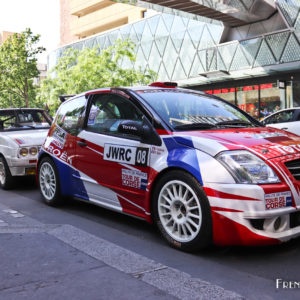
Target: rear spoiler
<point>63,98</point>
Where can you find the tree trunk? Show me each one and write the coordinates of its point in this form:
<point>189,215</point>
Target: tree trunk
<point>26,93</point>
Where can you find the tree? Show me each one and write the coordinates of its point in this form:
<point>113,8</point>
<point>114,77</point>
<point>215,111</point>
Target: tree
<point>90,68</point>
<point>18,68</point>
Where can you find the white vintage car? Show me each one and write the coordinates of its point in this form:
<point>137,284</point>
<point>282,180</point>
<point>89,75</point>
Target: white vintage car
<point>22,132</point>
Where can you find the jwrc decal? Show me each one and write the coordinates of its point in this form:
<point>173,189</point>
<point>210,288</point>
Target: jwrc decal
<point>126,154</point>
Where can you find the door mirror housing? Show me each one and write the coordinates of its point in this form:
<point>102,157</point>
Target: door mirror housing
<point>144,131</point>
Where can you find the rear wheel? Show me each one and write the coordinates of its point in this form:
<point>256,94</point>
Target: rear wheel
<point>49,182</point>
<point>181,211</point>
<point>6,179</point>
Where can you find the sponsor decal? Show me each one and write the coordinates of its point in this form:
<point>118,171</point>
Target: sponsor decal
<point>135,179</point>
<point>137,156</point>
<point>157,150</point>
<point>278,200</point>
<point>93,114</point>
<point>287,149</point>
<point>58,153</point>
<point>59,136</point>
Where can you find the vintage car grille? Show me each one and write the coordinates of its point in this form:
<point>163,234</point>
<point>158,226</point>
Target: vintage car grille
<point>294,167</point>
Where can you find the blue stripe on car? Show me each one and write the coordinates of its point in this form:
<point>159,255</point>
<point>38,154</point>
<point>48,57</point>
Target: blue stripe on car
<point>182,154</point>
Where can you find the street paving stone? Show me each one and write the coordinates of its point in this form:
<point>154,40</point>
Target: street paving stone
<point>41,261</point>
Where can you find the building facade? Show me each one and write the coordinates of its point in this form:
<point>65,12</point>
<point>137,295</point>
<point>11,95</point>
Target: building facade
<point>245,51</point>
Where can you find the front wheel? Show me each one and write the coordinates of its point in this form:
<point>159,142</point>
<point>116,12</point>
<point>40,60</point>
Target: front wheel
<point>6,179</point>
<point>49,182</point>
<point>181,211</point>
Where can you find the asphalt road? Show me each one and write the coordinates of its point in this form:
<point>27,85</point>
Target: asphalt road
<point>248,271</point>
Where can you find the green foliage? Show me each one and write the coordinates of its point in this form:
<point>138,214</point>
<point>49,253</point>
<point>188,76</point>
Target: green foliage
<point>18,68</point>
<point>79,71</point>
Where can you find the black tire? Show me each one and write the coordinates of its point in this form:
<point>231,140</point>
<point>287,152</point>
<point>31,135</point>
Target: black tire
<point>6,179</point>
<point>49,183</point>
<point>182,214</point>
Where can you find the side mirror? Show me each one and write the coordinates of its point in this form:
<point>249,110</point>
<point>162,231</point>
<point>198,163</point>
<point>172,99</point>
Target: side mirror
<point>145,131</point>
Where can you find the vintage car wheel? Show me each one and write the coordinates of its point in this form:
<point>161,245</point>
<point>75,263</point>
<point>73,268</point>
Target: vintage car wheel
<point>181,211</point>
<point>6,179</point>
<point>49,182</point>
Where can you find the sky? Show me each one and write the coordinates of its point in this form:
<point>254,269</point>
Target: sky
<point>41,16</point>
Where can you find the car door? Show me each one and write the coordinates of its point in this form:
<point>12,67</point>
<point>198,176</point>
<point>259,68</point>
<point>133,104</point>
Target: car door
<point>114,166</point>
<point>61,144</point>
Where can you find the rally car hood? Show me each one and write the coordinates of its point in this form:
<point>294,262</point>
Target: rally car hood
<point>265,141</point>
<point>34,137</point>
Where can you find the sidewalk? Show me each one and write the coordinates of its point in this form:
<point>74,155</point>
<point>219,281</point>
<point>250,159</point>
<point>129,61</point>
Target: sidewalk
<point>41,261</point>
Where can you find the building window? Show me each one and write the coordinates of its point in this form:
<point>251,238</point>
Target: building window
<point>258,100</point>
<point>247,99</point>
<point>272,99</point>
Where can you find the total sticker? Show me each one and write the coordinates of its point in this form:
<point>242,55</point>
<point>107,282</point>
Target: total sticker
<point>135,179</point>
<point>278,200</point>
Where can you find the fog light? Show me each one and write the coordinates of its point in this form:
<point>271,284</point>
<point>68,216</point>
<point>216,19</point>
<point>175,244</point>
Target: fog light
<point>33,151</point>
<point>23,152</point>
<point>277,224</point>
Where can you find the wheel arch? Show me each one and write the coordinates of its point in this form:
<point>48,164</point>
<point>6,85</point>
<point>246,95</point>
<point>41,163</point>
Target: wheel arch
<point>157,179</point>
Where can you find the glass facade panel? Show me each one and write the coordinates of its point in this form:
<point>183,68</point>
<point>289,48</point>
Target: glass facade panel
<point>257,100</point>
<point>272,99</point>
<point>296,93</point>
<point>247,99</point>
<point>226,94</point>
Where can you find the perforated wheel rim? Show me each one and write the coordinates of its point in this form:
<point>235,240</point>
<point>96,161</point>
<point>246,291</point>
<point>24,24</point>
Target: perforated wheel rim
<point>47,181</point>
<point>2,173</point>
<point>179,211</point>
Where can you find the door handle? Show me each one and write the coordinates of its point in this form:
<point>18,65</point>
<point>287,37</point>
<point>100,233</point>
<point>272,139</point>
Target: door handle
<point>284,128</point>
<point>81,143</point>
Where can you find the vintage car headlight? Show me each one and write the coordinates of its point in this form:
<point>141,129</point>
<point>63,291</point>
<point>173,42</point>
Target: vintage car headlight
<point>246,167</point>
<point>23,152</point>
<point>33,151</point>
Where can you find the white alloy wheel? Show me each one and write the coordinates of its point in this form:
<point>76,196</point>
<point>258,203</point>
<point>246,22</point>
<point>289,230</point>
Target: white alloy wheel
<point>47,178</point>
<point>2,173</point>
<point>179,211</point>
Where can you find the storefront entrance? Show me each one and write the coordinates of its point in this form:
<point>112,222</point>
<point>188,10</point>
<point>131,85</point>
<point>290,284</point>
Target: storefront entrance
<point>258,100</point>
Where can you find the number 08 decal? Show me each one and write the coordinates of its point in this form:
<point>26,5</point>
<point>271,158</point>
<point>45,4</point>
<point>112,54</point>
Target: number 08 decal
<point>137,156</point>
<point>141,158</point>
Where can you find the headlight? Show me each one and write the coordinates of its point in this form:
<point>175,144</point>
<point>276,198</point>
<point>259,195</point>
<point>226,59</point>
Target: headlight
<point>33,151</point>
<point>246,167</point>
<point>23,152</point>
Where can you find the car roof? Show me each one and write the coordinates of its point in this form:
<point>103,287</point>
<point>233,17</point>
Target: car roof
<point>138,88</point>
<point>18,108</point>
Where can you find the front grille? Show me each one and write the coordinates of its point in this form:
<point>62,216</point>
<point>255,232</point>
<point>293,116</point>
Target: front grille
<point>294,167</point>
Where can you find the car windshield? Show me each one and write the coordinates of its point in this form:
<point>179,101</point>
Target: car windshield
<point>21,119</point>
<point>183,110</point>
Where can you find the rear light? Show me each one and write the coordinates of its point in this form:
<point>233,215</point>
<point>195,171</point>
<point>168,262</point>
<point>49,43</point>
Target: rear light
<point>172,85</point>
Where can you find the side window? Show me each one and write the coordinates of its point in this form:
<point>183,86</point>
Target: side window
<point>70,115</point>
<point>108,110</point>
<point>285,116</point>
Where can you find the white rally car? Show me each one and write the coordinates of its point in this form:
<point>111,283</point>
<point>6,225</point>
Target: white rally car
<point>22,132</point>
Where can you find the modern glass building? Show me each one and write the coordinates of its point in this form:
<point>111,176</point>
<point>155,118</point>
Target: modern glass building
<point>245,51</point>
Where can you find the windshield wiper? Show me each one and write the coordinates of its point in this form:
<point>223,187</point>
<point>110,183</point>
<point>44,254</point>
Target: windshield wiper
<point>234,123</point>
<point>194,126</point>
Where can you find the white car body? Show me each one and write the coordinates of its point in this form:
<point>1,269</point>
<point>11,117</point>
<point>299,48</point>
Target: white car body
<point>10,145</point>
<point>22,132</point>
